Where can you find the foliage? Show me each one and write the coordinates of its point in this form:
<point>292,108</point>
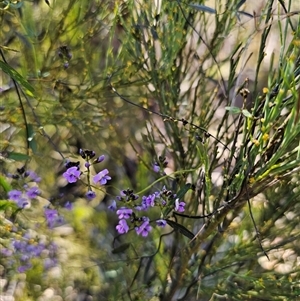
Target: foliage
<point>164,90</point>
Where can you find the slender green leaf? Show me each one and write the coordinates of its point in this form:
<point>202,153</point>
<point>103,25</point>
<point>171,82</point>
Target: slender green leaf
<point>183,230</point>
<point>17,156</point>
<point>240,4</point>
<point>233,110</point>
<point>17,77</point>
<point>246,113</point>
<point>4,184</point>
<point>203,8</point>
<point>4,205</point>
<point>181,193</point>
<point>31,140</point>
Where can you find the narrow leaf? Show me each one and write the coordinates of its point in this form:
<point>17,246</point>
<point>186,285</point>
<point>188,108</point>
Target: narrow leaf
<point>154,33</point>
<point>17,156</point>
<point>183,230</point>
<point>246,113</point>
<point>5,185</point>
<point>246,14</point>
<point>240,4</point>
<point>31,140</point>
<point>203,8</point>
<point>17,77</point>
<point>181,193</point>
<point>4,205</point>
<point>233,110</point>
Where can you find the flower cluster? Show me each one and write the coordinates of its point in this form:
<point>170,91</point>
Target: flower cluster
<point>73,172</point>
<point>27,184</point>
<point>23,250</point>
<point>28,190</point>
<point>160,165</point>
<point>65,55</point>
<point>131,211</point>
<point>53,218</point>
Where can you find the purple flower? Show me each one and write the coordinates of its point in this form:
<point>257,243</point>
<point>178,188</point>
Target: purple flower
<point>161,223</point>
<point>72,174</point>
<point>124,213</point>
<point>139,208</point>
<point>34,177</point>
<point>51,217</point>
<point>102,177</point>
<point>148,201</point>
<point>156,167</point>
<point>49,263</point>
<point>122,227</point>
<point>163,202</point>
<point>179,206</point>
<point>24,268</point>
<point>27,248</point>
<point>68,206</point>
<point>90,195</point>
<point>19,245</point>
<point>14,195</point>
<point>24,257</point>
<point>35,249</point>
<point>100,159</point>
<point>113,206</point>
<point>33,192</point>
<point>60,220</point>
<point>22,202</point>
<point>6,252</point>
<point>144,228</point>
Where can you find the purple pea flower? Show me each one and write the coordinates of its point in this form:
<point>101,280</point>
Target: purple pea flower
<point>144,228</point>
<point>100,159</point>
<point>22,202</point>
<point>72,174</point>
<point>102,177</point>
<point>33,192</point>
<point>163,202</point>
<point>113,206</point>
<point>51,217</point>
<point>90,195</point>
<point>179,206</point>
<point>156,167</point>
<point>161,223</point>
<point>124,213</point>
<point>25,257</point>
<point>34,177</point>
<point>148,201</point>
<point>19,245</point>
<point>122,227</point>
<point>6,252</point>
<point>24,268</point>
<point>68,206</point>
<point>14,194</point>
<point>34,250</point>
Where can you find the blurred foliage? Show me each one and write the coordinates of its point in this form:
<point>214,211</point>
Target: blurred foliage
<point>86,74</point>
